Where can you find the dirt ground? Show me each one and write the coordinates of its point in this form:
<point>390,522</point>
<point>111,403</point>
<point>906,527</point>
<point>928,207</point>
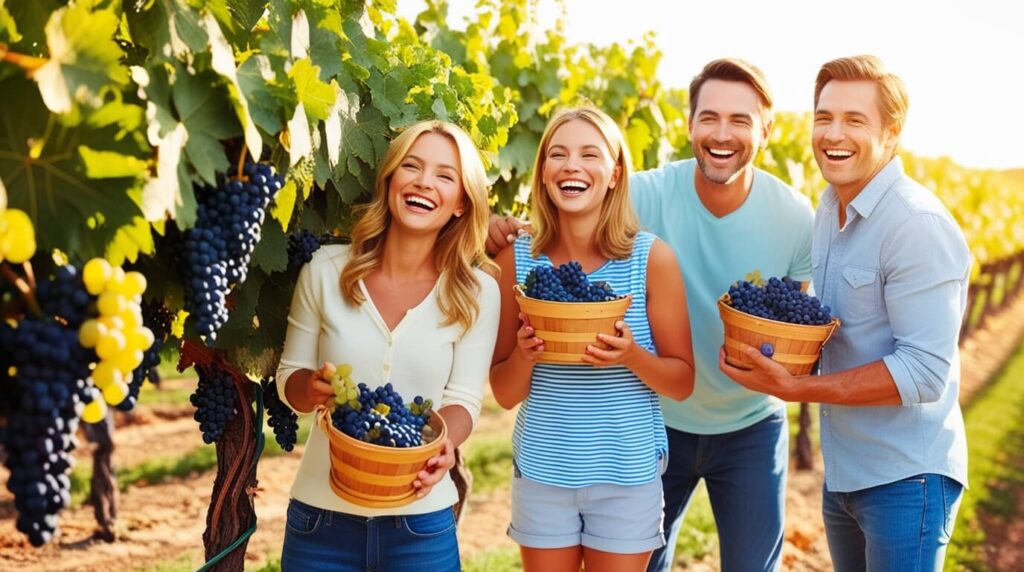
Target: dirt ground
<point>163,523</point>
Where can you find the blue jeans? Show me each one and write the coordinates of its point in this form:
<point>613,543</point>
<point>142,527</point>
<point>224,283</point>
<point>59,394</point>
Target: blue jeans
<point>745,474</point>
<point>900,526</point>
<point>320,540</point>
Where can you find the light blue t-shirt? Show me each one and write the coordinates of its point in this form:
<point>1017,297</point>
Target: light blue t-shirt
<point>771,232</point>
<point>897,276</point>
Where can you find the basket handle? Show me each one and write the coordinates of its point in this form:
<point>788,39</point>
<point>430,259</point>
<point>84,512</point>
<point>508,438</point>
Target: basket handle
<point>832,329</point>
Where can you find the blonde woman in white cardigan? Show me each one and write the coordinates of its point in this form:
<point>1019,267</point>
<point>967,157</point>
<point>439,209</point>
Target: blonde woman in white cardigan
<point>406,303</point>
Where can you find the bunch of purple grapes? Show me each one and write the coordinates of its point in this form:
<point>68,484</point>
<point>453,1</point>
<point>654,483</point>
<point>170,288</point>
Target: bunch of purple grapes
<point>280,417</point>
<point>215,400</point>
<point>379,416</point>
<point>43,373</point>
<point>301,247</point>
<point>780,300</point>
<point>567,283</point>
<point>217,249</point>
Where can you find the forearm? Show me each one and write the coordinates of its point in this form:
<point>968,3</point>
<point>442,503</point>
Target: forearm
<point>510,380</point>
<point>668,376</point>
<point>458,421</point>
<point>296,389</point>
<point>867,385</point>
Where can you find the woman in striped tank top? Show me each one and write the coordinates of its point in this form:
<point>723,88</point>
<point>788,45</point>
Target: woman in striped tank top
<point>589,442</point>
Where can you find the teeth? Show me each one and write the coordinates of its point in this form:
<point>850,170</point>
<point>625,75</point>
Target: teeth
<point>420,201</point>
<point>720,152</point>
<point>838,153</point>
<point>573,185</point>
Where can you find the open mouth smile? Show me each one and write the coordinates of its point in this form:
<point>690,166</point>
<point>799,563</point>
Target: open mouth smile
<point>419,203</point>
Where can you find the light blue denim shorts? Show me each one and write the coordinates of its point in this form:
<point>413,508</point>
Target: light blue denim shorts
<point>622,519</point>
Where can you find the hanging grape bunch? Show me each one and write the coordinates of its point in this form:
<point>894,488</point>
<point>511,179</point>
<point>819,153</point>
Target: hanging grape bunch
<point>215,400</point>
<point>301,247</point>
<point>217,249</point>
<point>567,283</point>
<point>780,300</point>
<point>280,417</point>
<point>379,416</point>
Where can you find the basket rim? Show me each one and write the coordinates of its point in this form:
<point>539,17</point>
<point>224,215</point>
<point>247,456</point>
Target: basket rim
<point>437,443</point>
<point>520,292</point>
<point>723,302</point>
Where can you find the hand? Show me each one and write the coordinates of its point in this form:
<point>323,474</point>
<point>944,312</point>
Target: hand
<point>501,232</point>
<point>319,387</point>
<point>766,376</point>
<point>435,469</point>
<point>612,350</point>
<point>529,345</point>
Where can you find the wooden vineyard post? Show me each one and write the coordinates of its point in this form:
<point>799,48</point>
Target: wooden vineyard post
<point>103,491</point>
<point>231,513</point>
<point>804,451</point>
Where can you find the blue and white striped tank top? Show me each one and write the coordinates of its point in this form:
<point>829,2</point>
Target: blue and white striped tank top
<point>582,425</point>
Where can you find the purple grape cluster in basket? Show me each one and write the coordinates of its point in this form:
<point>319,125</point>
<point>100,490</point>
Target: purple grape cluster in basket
<point>379,416</point>
<point>567,283</point>
<point>780,300</point>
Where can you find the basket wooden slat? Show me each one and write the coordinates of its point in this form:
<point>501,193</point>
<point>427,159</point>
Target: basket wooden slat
<point>797,346</point>
<point>567,328</point>
<point>375,476</point>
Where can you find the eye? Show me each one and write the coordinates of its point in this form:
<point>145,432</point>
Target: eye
<point>410,165</point>
<point>820,120</point>
<point>556,155</point>
<point>447,177</point>
<point>590,155</point>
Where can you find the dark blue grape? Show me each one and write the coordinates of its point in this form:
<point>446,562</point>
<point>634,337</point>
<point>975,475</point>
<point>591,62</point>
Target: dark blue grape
<point>215,400</point>
<point>280,417</point>
<point>567,283</point>
<point>780,300</point>
<point>401,426</point>
<point>301,247</point>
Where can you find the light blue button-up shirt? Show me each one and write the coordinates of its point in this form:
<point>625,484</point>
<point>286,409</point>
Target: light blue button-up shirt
<point>897,276</point>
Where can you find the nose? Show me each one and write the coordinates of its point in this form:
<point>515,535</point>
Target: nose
<point>834,131</point>
<point>425,180</point>
<point>572,163</point>
<point>722,132</point>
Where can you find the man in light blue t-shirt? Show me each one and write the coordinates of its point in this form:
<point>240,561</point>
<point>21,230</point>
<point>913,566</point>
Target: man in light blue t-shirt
<point>723,219</point>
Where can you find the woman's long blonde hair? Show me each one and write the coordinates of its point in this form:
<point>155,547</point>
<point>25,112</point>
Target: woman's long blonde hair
<point>460,243</point>
<point>618,223</point>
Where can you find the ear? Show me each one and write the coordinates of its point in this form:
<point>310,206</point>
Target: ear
<point>892,135</point>
<point>616,173</point>
<point>460,208</point>
<point>766,131</point>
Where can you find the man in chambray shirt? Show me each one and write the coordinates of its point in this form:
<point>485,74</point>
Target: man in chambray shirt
<point>893,264</point>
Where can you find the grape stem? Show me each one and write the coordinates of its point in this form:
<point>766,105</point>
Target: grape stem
<point>241,163</point>
<point>27,291</point>
<point>28,63</point>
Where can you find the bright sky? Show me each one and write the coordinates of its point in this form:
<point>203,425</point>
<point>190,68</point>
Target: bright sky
<point>962,61</point>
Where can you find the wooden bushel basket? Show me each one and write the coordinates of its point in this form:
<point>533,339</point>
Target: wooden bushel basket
<point>376,476</point>
<point>797,346</point>
<point>568,327</point>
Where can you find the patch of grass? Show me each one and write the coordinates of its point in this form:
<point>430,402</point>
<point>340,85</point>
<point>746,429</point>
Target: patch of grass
<point>149,394</point>
<point>184,563</point>
<point>152,471</point>
<point>698,535</point>
<point>273,564</point>
<point>497,560</point>
<point>490,459</point>
<point>995,440</point>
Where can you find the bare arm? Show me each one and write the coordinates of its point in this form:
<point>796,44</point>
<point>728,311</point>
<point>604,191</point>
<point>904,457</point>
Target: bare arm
<point>670,372</point>
<point>517,347</point>
<point>306,388</point>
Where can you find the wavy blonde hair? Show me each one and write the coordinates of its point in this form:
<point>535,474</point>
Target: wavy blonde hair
<point>618,223</point>
<point>460,243</point>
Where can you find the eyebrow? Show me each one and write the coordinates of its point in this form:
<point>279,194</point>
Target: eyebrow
<point>856,114</point>
<point>712,113</point>
<point>442,165</point>
<point>564,148</point>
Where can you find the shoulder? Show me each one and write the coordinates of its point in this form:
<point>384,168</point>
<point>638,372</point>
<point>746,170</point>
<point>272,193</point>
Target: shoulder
<point>781,194</point>
<point>328,260</point>
<point>667,173</point>
<point>488,285</point>
<point>661,256</point>
<point>916,199</point>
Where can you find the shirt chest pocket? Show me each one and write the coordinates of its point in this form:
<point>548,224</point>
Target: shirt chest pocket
<point>860,293</point>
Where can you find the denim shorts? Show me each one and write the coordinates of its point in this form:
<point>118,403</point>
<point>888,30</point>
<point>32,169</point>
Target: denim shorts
<point>622,519</point>
<point>321,540</point>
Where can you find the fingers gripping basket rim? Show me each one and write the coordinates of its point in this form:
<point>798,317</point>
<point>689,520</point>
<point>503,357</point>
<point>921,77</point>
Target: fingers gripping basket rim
<point>376,476</point>
<point>797,346</point>
<point>568,327</point>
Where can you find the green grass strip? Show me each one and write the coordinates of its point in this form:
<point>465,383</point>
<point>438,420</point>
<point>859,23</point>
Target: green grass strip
<point>995,440</point>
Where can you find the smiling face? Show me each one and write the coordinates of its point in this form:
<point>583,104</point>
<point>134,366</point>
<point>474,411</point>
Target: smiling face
<point>726,129</point>
<point>425,191</point>
<point>851,141</point>
<point>578,168</point>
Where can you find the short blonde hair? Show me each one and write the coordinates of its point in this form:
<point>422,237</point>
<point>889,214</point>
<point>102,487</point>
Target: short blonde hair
<point>893,101</point>
<point>618,224</point>
<point>460,243</point>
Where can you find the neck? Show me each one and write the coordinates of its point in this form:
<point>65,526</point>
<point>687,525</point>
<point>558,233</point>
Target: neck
<point>408,256</point>
<point>723,198</point>
<point>575,241</point>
